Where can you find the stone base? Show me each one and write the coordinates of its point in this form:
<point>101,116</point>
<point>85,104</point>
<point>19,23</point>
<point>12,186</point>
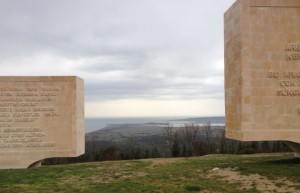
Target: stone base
<point>295,147</point>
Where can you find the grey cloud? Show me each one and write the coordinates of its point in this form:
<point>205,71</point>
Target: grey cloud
<point>165,49</point>
<point>153,87</point>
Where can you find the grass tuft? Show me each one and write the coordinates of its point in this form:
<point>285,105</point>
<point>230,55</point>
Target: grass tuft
<point>194,188</point>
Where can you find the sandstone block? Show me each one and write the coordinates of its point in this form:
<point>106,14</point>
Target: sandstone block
<point>262,70</point>
<point>40,117</point>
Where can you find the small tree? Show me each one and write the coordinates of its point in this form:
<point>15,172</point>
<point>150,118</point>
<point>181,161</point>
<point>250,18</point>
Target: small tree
<point>208,135</point>
<point>169,131</point>
<point>155,153</point>
<point>176,148</point>
<point>190,133</point>
<point>111,153</point>
<point>222,140</point>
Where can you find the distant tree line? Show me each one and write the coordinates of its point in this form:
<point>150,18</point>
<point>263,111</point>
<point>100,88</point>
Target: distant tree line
<point>195,140</point>
<point>186,141</point>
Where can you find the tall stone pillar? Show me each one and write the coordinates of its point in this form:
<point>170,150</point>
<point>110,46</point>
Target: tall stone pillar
<point>262,71</point>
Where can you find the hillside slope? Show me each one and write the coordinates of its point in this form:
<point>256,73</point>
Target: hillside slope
<point>213,173</point>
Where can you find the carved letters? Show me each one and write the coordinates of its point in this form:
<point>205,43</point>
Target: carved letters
<point>292,52</point>
<point>40,117</point>
<point>289,81</point>
<point>21,108</point>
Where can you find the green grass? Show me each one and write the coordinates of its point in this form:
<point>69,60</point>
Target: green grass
<point>154,175</point>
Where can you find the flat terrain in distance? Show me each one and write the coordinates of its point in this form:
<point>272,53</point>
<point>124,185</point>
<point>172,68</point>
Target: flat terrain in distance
<point>212,173</point>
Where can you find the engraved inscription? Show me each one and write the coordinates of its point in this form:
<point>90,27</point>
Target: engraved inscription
<point>292,52</point>
<point>22,109</point>
<point>273,75</point>
<point>288,83</point>
<point>291,75</point>
<point>292,47</point>
<point>23,138</point>
<point>288,92</point>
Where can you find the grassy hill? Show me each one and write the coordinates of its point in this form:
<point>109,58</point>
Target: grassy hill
<point>213,173</point>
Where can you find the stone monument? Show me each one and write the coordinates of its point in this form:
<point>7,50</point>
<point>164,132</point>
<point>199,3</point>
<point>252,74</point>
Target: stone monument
<point>262,71</point>
<point>40,117</point>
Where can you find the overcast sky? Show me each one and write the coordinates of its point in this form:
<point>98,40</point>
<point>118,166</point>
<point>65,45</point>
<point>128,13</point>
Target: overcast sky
<point>137,57</point>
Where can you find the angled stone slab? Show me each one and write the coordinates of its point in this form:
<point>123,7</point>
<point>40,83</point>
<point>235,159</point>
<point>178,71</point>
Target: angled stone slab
<point>40,117</point>
<point>262,70</point>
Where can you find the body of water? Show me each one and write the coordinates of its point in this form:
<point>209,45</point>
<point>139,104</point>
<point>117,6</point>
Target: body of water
<point>93,124</point>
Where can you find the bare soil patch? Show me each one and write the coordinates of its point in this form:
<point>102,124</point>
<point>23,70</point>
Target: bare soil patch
<point>258,182</point>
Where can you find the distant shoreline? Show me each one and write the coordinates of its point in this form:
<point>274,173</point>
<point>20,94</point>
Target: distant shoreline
<point>93,124</point>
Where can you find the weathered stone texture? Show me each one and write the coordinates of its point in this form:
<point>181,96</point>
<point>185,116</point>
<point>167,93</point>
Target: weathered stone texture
<point>262,70</point>
<point>40,117</point>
